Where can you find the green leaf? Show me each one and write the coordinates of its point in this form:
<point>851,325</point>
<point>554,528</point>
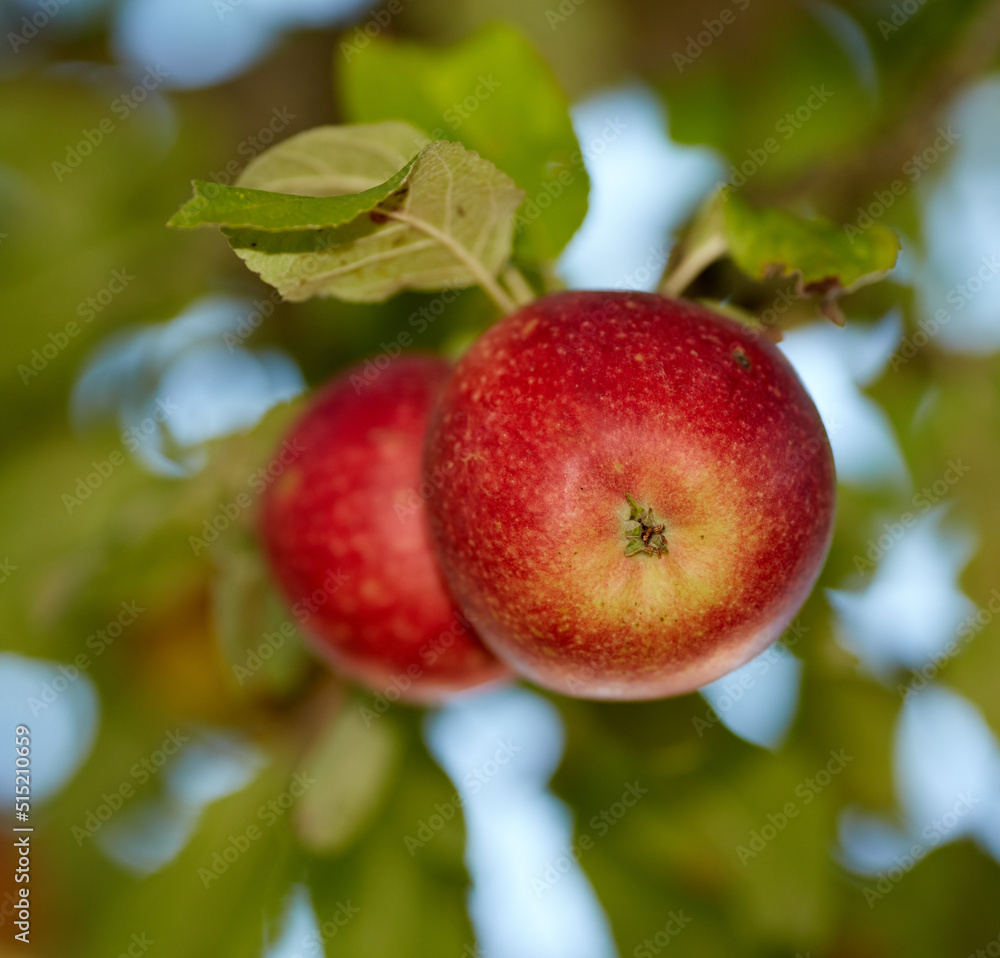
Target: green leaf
<point>774,242</point>
<point>350,168</point>
<point>453,227</point>
<point>445,219</point>
<point>496,95</point>
<point>770,243</point>
<point>334,160</point>
<point>234,206</point>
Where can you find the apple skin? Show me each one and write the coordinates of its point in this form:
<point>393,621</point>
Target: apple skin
<point>580,399</point>
<point>346,528</point>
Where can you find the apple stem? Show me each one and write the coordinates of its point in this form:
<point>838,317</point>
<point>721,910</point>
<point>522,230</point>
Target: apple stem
<point>649,536</point>
<point>692,265</point>
<point>518,286</point>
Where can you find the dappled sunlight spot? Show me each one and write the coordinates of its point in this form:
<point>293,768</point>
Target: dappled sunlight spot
<point>145,837</point>
<point>946,762</point>
<point>913,607</point>
<point>149,834</point>
<point>518,833</point>
<point>958,288</point>
<point>175,385</point>
<point>60,706</point>
<point>118,370</point>
<point>947,768</point>
<point>517,716</point>
<point>194,44</point>
<point>300,932</point>
<point>212,766</point>
<point>833,364</point>
<point>759,701</point>
<point>869,843</point>
<point>641,186</point>
<point>201,42</point>
<point>219,393</point>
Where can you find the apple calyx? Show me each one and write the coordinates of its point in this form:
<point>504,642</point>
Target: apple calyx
<point>648,537</point>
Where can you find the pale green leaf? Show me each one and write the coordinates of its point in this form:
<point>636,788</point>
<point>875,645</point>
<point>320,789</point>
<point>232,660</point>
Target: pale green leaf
<point>453,228</point>
<point>774,242</point>
<point>824,259</point>
<point>334,160</point>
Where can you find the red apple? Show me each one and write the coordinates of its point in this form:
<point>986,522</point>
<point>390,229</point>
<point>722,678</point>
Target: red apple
<point>345,530</point>
<point>638,494</point>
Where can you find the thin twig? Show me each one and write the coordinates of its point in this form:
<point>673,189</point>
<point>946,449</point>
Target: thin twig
<point>692,266</point>
<point>518,286</point>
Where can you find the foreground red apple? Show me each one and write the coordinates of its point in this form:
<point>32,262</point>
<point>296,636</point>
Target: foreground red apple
<point>345,530</point>
<point>638,493</point>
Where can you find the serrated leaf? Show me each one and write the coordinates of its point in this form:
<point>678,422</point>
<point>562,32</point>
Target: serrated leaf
<point>334,160</point>
<point>352,167</point>
<point>773,242</point>
<point>769,243</point>
<point>453,228</point>
<point>237,207</point>
<point>494,93</point>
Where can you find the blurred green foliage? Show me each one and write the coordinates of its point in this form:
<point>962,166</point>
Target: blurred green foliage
<point>65,232</point>
<point>494,94</point>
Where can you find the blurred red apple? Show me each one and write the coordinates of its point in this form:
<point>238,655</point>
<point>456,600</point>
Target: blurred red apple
<point>638,494</point>
<point>345,530</point>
